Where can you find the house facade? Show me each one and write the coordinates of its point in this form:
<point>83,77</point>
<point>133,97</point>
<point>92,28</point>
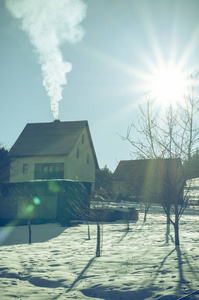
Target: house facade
<point>56,150</point>
<point>52,172</point>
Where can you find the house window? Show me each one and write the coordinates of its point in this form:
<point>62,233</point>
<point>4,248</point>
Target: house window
<point>49,171</point>
<point>25,168</point>
<point>82,138</point>
<point>88,158</point>
<point>77,153</point>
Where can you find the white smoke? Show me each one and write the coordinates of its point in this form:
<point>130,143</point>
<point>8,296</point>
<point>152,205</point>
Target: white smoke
<point>49,23</point>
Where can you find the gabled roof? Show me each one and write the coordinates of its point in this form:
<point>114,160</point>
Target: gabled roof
<point>54,138</point>
<point>129,170</point>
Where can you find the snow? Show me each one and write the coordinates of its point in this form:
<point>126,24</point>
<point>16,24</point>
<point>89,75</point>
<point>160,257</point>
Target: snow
<point>136,264</point>
<point>192,190</point>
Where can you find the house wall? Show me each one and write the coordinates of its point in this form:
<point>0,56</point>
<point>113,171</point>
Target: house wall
<point>42,202</point>
<point>120,187</point>
<point>81,164</point>
<point>16,168</point>
<point>47,209</point>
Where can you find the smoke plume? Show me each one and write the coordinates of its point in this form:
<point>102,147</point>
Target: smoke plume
<point>49,23</point>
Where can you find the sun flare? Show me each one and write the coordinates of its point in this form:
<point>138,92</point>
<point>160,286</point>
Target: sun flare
<point>168,85</point>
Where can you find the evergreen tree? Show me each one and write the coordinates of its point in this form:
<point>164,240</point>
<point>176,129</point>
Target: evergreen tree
<point>193,166</point>
<point>4,165</point>
<point>104,182</point>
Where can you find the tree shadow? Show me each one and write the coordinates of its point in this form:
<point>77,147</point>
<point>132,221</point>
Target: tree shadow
<point>184,285</point>
<point>182,258</point>
<point>109,293</point>
<point>80,276</point>
<point>15,235</point>
<point>123,236</point>
<point>158,271</point>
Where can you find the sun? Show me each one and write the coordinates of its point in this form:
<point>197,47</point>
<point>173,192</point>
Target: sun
<point>167,85</point>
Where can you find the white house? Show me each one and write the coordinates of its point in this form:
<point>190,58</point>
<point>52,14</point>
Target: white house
<point>52,173</point>
<point>56,150</point>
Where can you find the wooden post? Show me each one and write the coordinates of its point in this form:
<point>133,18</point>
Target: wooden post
<point>29,230</point>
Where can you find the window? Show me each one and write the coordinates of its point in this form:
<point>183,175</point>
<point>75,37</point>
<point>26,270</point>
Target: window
<point>88,158</point>
<point>82,138</point>
<point>45,169</point>
<point>49,171</point>
<point>77,153</point>
<point>25,168</point>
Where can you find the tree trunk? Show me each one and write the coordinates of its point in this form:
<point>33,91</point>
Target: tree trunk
<point>180,264</point>
<point>127,225</point>
<point>168,228</point>
<point>176,229</point>
<point>89,237</point>
<point>145,213</point>
<point>176,225</point>
<point>146,206</point>
<point>126,218</point>
<point>98,241</point>
<point>29,230</point>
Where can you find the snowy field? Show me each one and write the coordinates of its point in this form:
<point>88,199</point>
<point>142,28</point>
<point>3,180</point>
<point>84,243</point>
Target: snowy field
<point>135,264</point>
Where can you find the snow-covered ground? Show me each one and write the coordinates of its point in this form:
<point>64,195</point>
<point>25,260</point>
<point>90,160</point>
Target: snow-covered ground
<point>135,264</point>
<point>192,190</point>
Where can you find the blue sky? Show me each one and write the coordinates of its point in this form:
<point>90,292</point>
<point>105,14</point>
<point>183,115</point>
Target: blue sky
<point>123,41</point>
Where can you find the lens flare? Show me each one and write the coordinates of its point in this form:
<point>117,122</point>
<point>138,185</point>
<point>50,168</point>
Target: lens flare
<point>36,201</point>
<point>53,187</point>
<point>30,208</point>
<point>6,231</point>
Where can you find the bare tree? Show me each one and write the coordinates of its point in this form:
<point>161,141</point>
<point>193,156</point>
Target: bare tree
<point>78,204</point>
<point>169,135</point>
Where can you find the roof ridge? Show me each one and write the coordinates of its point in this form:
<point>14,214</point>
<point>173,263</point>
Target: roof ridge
<point>56,121</point>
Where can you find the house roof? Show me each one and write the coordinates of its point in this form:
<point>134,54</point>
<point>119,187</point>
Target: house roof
<point>128,170</point>
<point>54,138</point>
